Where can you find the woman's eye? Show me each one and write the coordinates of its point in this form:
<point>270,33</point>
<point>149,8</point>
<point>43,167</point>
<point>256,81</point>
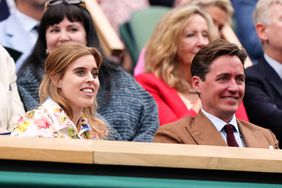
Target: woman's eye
<point>54,30</point>
<point>95,74</point>
<point>205,34</point>
<point>79,72</point>
<point>189,35</point>
<point>73,30</point>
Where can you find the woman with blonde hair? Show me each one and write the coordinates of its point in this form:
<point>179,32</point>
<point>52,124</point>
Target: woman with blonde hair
<point>181,33</point>
<point>67,94</point>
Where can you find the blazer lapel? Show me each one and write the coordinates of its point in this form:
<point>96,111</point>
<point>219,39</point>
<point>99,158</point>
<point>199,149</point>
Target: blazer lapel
<point>204,132</point>
<point>271,76</point>
<point>252,138</point>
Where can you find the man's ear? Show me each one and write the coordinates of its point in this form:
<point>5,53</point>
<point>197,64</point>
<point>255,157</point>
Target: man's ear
<point>261,30</point>
<point>196,81</point>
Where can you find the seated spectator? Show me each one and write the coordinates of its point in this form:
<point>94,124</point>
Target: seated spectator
<point>11,106</point>
<point>64,114</point>
<point>263,99</point>
<point>245,28</point>
<point>124,104</point>
<point>177,38</point>
<point>19,30</point>
<point>220,11</point>
<point>218,78</point>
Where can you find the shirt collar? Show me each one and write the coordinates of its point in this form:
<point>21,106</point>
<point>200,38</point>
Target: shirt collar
<point>274,64</point>
<point>218,123</point>
<point>61,121</point>
<point>28,23</point>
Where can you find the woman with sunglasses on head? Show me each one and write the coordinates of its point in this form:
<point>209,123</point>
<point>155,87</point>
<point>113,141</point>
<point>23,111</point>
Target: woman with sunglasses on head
<point>63,114</point>
<point>127,107</point>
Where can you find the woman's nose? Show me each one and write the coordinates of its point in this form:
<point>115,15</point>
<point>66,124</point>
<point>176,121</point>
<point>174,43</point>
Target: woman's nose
<point>90,77</point>
<point>202,41</point>
<point>64,36</point>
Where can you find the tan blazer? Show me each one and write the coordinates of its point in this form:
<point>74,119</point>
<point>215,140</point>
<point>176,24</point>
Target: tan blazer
<point>11,107</point>
<point>201,131</point>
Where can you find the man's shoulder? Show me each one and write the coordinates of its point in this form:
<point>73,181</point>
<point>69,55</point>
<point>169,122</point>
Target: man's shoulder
<point>253,127</point>
<point>254,69</point>
<point>179,124</point>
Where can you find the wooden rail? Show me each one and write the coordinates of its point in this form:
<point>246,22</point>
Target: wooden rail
<point>141,154</point>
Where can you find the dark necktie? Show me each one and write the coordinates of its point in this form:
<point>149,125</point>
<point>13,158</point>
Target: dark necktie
<point>231,141</point>
<point>36,28</point>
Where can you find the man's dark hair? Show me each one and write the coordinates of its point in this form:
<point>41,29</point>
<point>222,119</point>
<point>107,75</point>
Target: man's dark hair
<point>203,59</point>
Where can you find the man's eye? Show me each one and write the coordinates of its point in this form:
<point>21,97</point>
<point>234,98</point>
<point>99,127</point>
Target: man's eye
<point>222,78</point>
<point>241,79</point>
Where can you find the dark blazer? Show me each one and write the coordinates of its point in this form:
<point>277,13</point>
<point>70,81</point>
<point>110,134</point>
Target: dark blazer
<point>199,130</point>
<point>263,97</point>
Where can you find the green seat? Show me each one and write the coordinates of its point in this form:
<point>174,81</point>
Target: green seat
<point>136,32</point>
<point>143,23</point>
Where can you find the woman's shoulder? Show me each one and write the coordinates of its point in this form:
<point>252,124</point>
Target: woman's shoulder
<point>26,74</point>
<point>147,78</point>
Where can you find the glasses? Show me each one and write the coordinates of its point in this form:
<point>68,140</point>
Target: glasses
<point>69,2</point>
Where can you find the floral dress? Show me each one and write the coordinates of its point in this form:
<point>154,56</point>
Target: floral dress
<point>50,121</point>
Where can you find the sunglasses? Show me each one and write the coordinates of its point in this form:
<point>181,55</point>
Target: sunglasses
<point>69,2</point>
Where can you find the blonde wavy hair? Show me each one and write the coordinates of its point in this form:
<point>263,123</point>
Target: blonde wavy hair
<point>163,46</point>
<point>56,65</point>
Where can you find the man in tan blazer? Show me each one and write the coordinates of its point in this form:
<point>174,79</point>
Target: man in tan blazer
<point>11,107</point>
<point>218,77</point>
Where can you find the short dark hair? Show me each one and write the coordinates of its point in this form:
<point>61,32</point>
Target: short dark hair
<point>206,55</point>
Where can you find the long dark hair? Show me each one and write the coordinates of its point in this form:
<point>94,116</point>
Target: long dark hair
<point>54,15</point>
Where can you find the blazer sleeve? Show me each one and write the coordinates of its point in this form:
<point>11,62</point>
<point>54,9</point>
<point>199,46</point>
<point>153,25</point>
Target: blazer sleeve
<point>167,134</point>
<point>272,140</point>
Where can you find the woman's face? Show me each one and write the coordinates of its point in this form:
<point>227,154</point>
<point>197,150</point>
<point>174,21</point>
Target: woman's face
<point>63,32</point>
<point>80,83</point>
<point>194,37</point>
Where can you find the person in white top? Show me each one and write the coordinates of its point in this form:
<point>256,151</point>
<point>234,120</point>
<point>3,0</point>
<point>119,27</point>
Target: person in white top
<point>11,106</point>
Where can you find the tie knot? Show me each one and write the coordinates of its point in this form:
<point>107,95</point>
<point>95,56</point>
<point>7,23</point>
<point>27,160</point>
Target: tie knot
<point>36,28</point>
<point>229,128</point>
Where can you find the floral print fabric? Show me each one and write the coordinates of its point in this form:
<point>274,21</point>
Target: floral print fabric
<point>50,121</point>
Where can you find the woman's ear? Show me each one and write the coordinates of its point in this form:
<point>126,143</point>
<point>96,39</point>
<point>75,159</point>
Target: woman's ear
<point>55,81</point>
<point>196,81</point>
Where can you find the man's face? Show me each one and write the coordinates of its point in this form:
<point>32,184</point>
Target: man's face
<point>271,34</point>
<point>223,88</point>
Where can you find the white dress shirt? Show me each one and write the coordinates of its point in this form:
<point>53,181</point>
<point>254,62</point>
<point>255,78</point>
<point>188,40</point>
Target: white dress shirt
<point>219,125</point>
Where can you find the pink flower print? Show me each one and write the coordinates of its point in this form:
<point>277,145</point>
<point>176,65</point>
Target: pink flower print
<point>42,123</point>
<point>21,120</point>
